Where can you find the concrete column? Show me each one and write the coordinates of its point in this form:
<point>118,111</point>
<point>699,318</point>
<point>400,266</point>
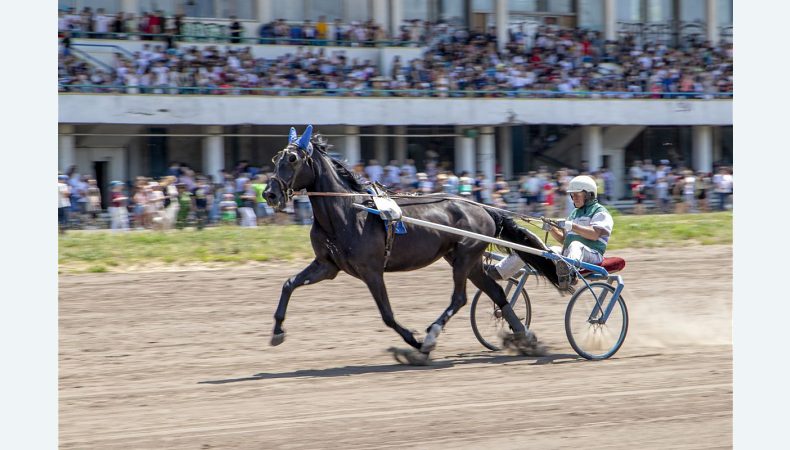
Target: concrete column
<point>380,11</point>
<point>352,150</point>
<point>712,21</point>
<point>501,24</point>
<point>592,146</point>
<point>265,11</point>
<point>609,20</point>
<point>213,152</point>
<point>67,154</point>
<point>505,151</point>
<point>130,6</point>
<point>486,155</point>
<point>396,15</point>
<point>702,148</point>
<point>717,150</point>
<point>401,152</point>
<point>381,149</point>
<point>617,166</point>
<point>464,153</point>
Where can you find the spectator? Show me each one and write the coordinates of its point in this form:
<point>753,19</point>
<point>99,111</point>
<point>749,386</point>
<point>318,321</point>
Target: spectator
<point>64,202</point>
<point>308,32</point>
<point>374,172</point>
<point>702,189</point>
<point>141,214</point>
<point>202,198</point>
<point>392,174</point>
<point>662,194</point>
<point>262,209</point>
<point>93,201</point>
<point>64,23</point>
<point>228,209</point>
<point>531,190</point>
<point>322,30</point>
<point>689,187</point>
<point>235,31</point>
<point>248,204</point>
<point>638,193</point>
<point>101,24</point>
<point>117,26</point>
<point>424,184</point>
<point>119,218</point>
<point>479,188</point>
<point>184,205</point>
<point>608,184</point>
<point>723,187</point>
<point>409,171</point>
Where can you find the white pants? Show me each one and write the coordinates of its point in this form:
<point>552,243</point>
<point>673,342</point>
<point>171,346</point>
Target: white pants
<point>248,218</point>
<point>119,218</point>
<point>577,250</point>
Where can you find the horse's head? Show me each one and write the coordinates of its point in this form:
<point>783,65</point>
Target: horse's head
<point>292,169</point>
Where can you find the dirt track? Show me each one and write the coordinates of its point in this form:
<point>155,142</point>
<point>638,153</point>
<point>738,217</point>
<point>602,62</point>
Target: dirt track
<point>181,360</point>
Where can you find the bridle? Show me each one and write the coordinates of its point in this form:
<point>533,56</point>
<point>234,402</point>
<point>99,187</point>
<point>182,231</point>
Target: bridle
<point>301,156</point>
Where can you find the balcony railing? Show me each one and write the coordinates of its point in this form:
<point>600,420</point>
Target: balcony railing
<point>380,93</point>
<point>220,34</point>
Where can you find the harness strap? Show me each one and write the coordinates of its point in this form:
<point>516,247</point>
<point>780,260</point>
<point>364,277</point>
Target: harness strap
<point>388,241</point>
<point>337,194</point>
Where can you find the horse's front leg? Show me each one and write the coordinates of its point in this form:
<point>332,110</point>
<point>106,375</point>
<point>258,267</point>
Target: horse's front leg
<point>375,283</point>
<point>318,270</point>
<point>461,267</point>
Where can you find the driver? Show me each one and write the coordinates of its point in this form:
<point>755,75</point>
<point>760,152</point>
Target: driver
<point>584,234</point>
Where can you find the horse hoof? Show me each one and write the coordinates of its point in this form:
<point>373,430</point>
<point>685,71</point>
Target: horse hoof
<point>410,356</point>
<point>429,343</point>
<point>427,347</point>
<point>525,344</point>
<point>277,339</point>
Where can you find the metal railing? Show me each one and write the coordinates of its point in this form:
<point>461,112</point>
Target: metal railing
<point>87,56</point>
<point>116,48</point>
<point>220,34</point>
<point>381,93</point>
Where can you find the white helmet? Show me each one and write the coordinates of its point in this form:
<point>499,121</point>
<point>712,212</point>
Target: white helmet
<point>583,183</point>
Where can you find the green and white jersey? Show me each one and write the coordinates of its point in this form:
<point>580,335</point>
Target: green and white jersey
<point>592,215</point>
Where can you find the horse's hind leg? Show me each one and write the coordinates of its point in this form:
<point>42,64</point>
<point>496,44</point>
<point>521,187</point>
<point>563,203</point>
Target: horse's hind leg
<point>495,292</point>
<point>523,340</point>
<point>317,271</point>
<point>375,283</point>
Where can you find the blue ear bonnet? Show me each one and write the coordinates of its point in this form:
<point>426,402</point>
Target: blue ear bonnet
<point>304,141</point>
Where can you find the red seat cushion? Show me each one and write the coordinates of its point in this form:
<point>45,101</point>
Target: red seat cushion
<point>612,264</point>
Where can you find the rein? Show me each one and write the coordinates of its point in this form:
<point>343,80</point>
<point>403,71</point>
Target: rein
<point>288,190</point>
<point>530,220</point>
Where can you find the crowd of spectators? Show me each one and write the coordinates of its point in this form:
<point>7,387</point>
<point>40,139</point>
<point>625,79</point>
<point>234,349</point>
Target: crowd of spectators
<point>679,190</point>
<point>155,25</point>
<point>552,62</point>
<point>150,25</point>
<point>215,70</point>
<point>185,198</point>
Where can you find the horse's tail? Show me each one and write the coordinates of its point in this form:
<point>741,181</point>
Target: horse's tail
<point>509,230</point>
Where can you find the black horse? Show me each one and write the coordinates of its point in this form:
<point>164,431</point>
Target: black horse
<point>348,239</point>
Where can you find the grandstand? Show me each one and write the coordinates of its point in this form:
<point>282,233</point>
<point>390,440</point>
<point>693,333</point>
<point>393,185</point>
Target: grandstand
<point>117,132</point>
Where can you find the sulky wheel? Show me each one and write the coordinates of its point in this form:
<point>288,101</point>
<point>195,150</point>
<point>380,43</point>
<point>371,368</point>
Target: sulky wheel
<point>589,336</point>
<point>487,322</point>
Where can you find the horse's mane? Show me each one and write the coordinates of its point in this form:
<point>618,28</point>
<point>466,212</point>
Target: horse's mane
<point>321,145</point>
